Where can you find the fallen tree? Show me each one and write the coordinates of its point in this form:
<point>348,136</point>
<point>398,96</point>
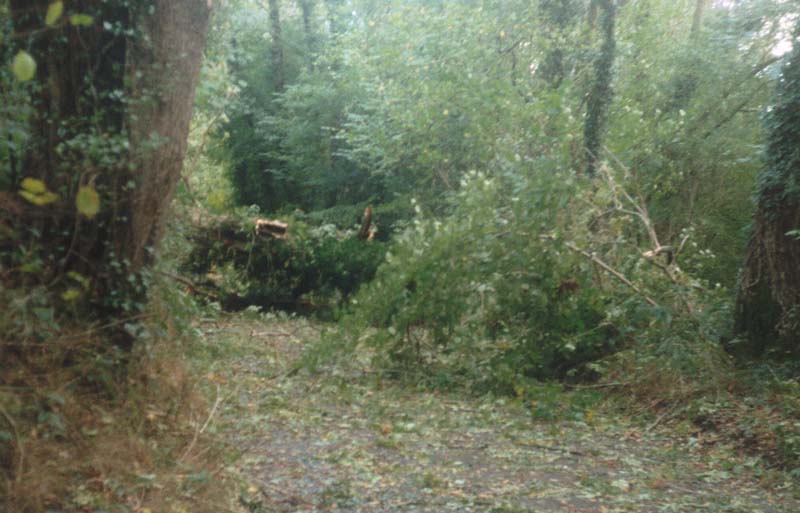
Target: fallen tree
<point>263,262</point>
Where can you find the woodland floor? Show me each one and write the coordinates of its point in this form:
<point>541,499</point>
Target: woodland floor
<point>343,442</point>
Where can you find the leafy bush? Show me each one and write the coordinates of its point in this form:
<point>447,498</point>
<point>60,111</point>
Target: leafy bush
<point>489,295</point>
<point>389,218</point>
<point>534,277</point>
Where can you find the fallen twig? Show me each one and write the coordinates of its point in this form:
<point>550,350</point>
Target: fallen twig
<point>660,418</point>
<point>613,272</point>
<point>270,334</point>
<point>599,385</point>
<point>193,287</point>
<point>200,431</point>
<point>534,445</point>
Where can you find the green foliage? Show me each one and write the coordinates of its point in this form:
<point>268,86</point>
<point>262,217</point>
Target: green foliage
<point>388,218</point>
<point>312,269</point>
<point>779,185</point>
<point>501,293</point>
<point>484,296</point>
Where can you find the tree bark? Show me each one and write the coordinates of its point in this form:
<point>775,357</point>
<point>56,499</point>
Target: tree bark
<point>278,75</point>
<point>697,18</point>
<point>768,302</point>
<point>600,94</point>
<point>307,8</point>
<point>167,63</point>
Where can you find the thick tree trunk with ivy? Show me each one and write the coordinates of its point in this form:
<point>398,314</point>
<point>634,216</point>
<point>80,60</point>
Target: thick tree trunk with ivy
<point>112,101</point>
<point>768,303</point>
<point>600,94</point>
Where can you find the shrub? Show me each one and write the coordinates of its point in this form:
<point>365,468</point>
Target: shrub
<point>488,296</point>
<point>537,276</point>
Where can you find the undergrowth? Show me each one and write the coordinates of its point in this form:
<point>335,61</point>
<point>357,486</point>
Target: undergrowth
<point>83,430</point>
<point>534,280</point>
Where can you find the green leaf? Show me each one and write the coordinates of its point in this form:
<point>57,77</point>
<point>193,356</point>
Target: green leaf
<point>44,314</point>
<point>54,12</point>
<point>88,201</point>
<point>70,295</point>
<point>81,20</point>
<point>23,66</point>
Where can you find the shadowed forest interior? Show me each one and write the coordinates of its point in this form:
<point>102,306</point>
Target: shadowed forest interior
<point>399,255</point>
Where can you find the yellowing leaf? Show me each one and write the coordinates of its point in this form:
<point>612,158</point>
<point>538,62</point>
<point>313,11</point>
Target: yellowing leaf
<point>33,185</point>
<point>81,20</point>
<point>54,12</point>
<point>23,66</point>
<point>39,199</point>
<point>88,201</point>
<point>36,192</point>
<point>71,294</point>
<point>83,280</point>
<point>47,198</point>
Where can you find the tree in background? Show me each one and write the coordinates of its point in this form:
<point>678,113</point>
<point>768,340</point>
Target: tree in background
<point>558,17</point>
<point>600,94</point>
<point>278,72</point>
<point>768,305</point>
<point>307,8</point>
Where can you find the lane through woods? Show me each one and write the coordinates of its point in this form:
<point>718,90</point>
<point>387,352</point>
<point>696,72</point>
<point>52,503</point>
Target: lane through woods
<point>347,442</point>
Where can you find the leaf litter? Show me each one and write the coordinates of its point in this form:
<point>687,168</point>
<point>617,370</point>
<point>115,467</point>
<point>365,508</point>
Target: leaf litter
<point>349,442</point>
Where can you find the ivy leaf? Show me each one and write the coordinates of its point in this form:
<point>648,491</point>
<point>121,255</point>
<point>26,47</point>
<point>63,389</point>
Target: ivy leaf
<point>88,201</point>
<point>54,12</point>
<point>81,20</point>
<point>23,66</point>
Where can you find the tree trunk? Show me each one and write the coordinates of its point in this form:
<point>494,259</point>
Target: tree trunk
<point>307,7</point>
<point>600,94</point>
<point>169,61</point>
<point>697,18</point>
<point>334,16</point>
<point>111,113</point>
<point>278,75</point>
<point>557,17</point>
<point>768,302</point>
